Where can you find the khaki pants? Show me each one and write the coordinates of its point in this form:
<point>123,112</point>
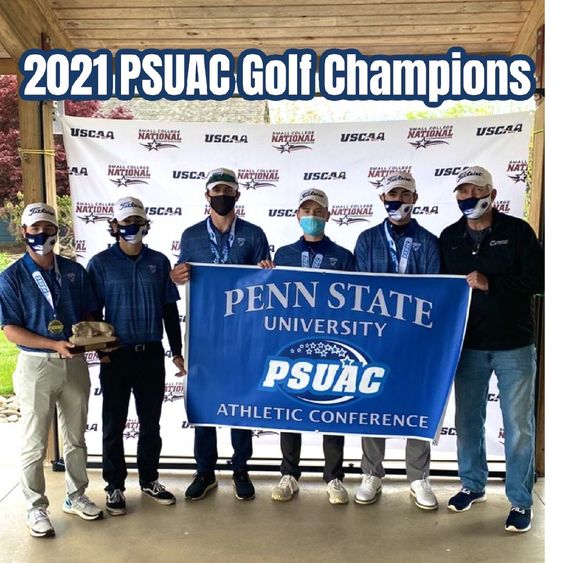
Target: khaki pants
<point>40,383</point>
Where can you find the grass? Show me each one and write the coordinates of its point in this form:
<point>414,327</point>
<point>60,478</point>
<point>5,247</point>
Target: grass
<point>8,351</point>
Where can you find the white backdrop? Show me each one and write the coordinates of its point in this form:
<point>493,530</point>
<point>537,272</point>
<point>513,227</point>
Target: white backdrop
<point>165,163</point>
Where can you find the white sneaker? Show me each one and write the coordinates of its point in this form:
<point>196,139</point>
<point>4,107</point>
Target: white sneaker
<point>369,489</point>
<point>82,506</point>
<point>39,524</point>
<point>337,494</point>
<point>285,489</point>
<point>423,495</point>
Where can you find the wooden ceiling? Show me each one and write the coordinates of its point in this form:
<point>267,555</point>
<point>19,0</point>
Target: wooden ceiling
<point>371,26</point>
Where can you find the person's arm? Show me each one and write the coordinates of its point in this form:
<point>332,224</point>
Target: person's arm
<point>361,254</point>
<point>433,260</point>
<point>261,249</point>
<point>24,337</point>
<point>174,334</point>
<point>180,274</point>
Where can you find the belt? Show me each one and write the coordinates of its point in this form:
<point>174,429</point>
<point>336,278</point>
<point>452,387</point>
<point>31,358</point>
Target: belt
<point>144,347</point>
<point>54,355</point>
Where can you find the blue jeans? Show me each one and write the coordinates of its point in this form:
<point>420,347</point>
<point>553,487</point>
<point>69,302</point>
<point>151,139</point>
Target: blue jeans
<point>515,371</point>
<point>205,448</point>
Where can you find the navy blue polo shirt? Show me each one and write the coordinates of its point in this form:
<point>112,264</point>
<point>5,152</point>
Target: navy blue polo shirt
<point>334,257</point>
<point>250,244</point>
<point>22,303</point>
<point>133,292</point>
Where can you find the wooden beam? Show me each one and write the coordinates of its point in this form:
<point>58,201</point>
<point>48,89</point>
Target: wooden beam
<point>526,40</point>
<point>21,28</point>
<point>8,66</point>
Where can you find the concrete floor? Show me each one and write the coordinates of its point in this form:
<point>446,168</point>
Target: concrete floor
<point>222,529</point>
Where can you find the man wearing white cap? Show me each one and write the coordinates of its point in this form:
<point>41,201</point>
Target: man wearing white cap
<point>222,238</point>
<point>399,245</point>
<point>133,287</point>
<point>503,261</point>
<point>313,250</point>
<point>41,296</point>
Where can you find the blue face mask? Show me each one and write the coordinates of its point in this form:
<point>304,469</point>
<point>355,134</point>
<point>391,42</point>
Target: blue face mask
<point>397,210</point>
<point>474,207</point>
<point>132,234</point>
<point>41,243</point>
<point>312,226</point>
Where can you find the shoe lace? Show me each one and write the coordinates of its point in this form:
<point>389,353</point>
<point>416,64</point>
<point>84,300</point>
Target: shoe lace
<point>425,484</point>
<point>285,481</point>
<point>336,485</point>
<point>367,480</point>
<point>241,476</point>
<point>157,487</point>
<point>40,513</point>
<point>465,491</point>
<point>82,499</point>
<point>116,496</point>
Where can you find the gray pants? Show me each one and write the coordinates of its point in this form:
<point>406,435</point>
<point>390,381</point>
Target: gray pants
<point>417,458</point>
<point>41,383</point>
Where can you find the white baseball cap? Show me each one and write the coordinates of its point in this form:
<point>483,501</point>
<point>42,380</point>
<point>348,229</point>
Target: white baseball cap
<point>35,212</point>
<point>221,177</point>
<point>127,207</point>
<point>474,175</point>
<point>399,180</point>
<point>313,194</point>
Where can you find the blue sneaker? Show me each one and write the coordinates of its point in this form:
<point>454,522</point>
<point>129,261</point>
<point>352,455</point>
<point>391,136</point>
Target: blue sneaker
<point>519,520</point>
<point>464,499</point>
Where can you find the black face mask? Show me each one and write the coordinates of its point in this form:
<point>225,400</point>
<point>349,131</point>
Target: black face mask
<point>222,204</point>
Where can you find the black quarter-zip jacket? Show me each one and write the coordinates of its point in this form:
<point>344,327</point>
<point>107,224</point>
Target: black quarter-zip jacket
<point>511,257</point>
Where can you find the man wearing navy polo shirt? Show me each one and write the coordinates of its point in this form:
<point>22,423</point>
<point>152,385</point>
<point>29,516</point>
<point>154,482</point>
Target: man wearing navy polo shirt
<point>399,245</point>
<point>132,284</point>
<point>313,250</point>
<point>41,296</point>
<point>222,238</point>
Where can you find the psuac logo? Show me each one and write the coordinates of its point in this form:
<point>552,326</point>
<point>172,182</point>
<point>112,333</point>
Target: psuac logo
<point>291,141</point>
<point>91,133</point>
<point>323,372</point>
<point>344,215</point>
<point>362,137</point>
<point>430,136</point>
<point>517,170</point>
<point>94,212</point>
<point>158,139</point>
<point>334,175</point>
<point>376,174</point>
<point>128,175</point>
<point>499,129</point>
<point>253,179</point>
<point>211,138</point>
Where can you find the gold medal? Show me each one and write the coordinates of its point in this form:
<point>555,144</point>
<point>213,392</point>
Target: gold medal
<point>55,326</point>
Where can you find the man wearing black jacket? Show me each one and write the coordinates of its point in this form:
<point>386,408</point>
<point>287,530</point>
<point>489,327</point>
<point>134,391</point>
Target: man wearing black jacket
<point>503,261</point>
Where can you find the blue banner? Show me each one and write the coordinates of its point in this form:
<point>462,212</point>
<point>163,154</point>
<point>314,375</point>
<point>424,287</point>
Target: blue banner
<point>317,350</point>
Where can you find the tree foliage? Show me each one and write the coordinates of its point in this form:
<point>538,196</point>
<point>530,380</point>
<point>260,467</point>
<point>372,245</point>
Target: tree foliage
<point>10,164</point>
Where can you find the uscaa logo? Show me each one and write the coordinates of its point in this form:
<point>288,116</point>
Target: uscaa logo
<point>210,138</point>
<point>94,212</point>
<point>158,139</point>
<point>252,179</point>
<point>128,175</point>
<point>499,129</point>
<point>350,214</point>
<point>517,170</point>
<point>377,173</point>
<point>323,372</point>
<point>290,141</point>
<point>91,133</point>
<point>430,136</point>
<point>362,137</point>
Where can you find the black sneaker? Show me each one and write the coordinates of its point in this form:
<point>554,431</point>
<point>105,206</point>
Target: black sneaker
<point>158,493</point>
<point>519,520</point>
<point>244,489</point>
<point>115,502</point>
<point>464,499</point>
<point>201,485</point>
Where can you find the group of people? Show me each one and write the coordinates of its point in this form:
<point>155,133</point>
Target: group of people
<point>134,288</point>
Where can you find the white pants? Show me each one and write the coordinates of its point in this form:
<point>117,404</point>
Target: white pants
<point>40,383</point>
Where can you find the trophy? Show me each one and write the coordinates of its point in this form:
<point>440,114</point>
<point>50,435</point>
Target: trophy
<point>92,335</point>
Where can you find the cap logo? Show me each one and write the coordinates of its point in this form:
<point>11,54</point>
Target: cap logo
<point>312,192</point>
<point>35,210</point>
<point>129,204</point>
<point>469,172</point>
